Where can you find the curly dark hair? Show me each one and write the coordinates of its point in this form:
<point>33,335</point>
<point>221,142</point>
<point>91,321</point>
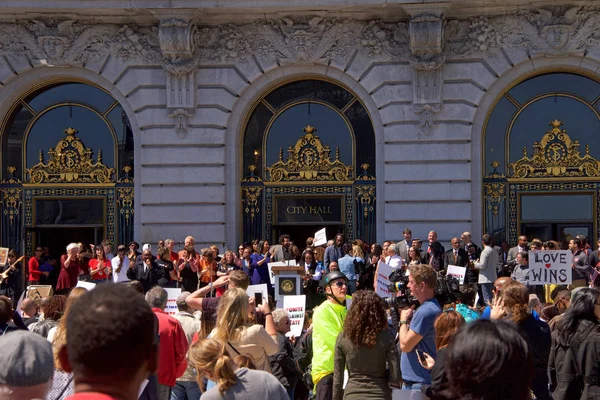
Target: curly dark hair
<point>366,319</point>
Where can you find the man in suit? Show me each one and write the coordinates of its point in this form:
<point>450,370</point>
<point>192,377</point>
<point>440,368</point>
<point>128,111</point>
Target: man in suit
<point>486,264</point>
<point>466,240</point>
<point>404,245</point>
<point>503,259</point>
<point>455,256</point>
<point>145,271</point>
<point>334,252</point>
<point>433,237</point>
<point>512,253</point>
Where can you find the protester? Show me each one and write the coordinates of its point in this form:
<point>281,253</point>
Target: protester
<point>364,347</point>
<point>173,344</point>
<point>347,267</point>
<point>209,305</point>
<point>27,368</point>
<point>62,382</point>
<point>486,265</point>
<point>188,269</point>
<point>282,363</point>
<point>328,322</point>
<point>11,285</point>
<point>69,269</point>
<point>144,271</point>
<point>120,265</point>
<point>106,363</point>
<point>53,311</point>
<point>233,329</point>
<point>446,325</point>
<point>186,385</point>
<point>29,310</point>
<point>488,360</point>
<point>100,266</point>
<point>213,361</point>
<point>416,332</point>
<point>6,316</point>
<point>165,269</point>
<point>312,275</point>
<point>334,252</point>
<point>515,302</point>
<point>575,356</point>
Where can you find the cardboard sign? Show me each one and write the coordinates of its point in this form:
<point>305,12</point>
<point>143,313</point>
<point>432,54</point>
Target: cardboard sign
<point>550,267</point>
<point>382,279</point>
<point>457,272</point>
<point>3,255</point>
<point>262,288</point>
<point>320,238</point>
<point>295,306</point>
<point>173,294</point>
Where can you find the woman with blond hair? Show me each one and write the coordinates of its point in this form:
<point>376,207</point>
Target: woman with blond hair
<point>232,328</point>
<point>62,382</point>
<point>212,360</point>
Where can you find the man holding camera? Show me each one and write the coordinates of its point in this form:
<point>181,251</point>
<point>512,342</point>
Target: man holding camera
<point>416,331</point>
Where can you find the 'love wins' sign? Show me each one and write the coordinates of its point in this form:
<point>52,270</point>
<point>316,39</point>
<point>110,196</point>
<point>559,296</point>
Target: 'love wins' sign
<point>550,266</point>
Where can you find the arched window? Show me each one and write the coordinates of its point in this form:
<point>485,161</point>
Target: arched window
<point>540,152</point>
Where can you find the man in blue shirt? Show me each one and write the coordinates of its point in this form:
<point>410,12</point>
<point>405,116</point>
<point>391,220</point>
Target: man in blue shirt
<point>347,267</point>
<point>416,330</point>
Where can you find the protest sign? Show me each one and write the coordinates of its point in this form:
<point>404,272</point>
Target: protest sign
<point>320,238</point>
<point>383,273</point>
<point>457,272</point>
<point>172,295</point>
<point>550,267</point>
<point>86,285</point>
<point>295,306</point>
<point>262,289</point>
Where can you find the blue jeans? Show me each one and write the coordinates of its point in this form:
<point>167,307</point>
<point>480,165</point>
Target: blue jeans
<point>411,386</point>
<point>183,390</point>
<point>290,392</point>
<point>351,287</point>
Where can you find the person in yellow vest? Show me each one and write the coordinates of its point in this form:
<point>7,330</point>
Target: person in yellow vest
<point>328,322</point>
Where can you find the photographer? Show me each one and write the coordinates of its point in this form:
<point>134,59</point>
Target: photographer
<point>416,331</point>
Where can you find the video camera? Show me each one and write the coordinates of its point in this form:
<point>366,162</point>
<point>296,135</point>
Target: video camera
<point>447,290</point>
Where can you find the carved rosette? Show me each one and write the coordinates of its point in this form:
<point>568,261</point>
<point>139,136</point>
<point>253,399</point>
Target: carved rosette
<point>309,161</point>
<point>555,155</point>
<point>70,162</point>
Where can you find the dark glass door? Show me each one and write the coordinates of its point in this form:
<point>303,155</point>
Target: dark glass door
<point>561,232</point>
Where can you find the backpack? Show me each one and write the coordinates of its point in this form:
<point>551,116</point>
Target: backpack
<point>303,357</point>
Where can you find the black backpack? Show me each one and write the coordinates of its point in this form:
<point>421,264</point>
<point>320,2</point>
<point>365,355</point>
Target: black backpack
<point>303,357</point>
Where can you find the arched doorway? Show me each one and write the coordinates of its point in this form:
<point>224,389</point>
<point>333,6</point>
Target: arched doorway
<point>540,159</point>
<point>309,158</point>
<point>67,157</point>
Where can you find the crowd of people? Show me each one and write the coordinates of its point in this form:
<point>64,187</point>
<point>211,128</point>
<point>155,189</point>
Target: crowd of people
<point>116,341</point>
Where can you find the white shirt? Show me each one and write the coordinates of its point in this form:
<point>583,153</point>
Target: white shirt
<point>109,256</point>
<point>121,276</point>
<point>395,261</point>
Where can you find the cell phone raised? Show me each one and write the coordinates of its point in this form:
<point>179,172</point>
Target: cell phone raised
<point>258,298</point>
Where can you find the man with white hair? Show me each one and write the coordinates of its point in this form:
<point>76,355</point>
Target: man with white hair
<point>186,385</point>
<point>393,259</point>
<point>27,366</point>
<point>433,237</point>
<point>173,344</point>
<point>283,366</point>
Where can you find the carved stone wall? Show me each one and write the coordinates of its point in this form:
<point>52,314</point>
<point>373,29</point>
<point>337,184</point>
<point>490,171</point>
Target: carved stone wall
<point>426,75</point>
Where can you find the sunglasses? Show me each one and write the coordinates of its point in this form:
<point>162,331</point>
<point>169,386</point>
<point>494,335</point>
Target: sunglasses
<point>340,284</point>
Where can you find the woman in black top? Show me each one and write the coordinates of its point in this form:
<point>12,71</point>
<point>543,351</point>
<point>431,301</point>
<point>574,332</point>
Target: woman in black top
<point>188,270</point>
<point>165,268</point>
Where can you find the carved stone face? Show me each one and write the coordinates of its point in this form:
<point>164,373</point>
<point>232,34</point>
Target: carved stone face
<point>54,47</point>
<point>557,36</point>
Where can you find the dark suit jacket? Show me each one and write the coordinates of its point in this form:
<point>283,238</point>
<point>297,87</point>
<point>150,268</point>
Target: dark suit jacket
<point>148,278</point>
<point>461,261</point>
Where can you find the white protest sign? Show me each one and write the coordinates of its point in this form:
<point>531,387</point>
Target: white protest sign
<point>383,273</point>
<point>295,306</point>
<point>262,288</point>
<point>457,272</point>
<point>550,267</point>
<point>172,295</point>
<point>270,267</point>
<point>320,238</point>
<point>86,285</point>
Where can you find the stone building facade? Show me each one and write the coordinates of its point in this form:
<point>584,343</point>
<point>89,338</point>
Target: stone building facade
<point>432,77</point>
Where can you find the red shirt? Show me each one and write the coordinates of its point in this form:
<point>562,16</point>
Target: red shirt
<point>174,257</point>
<point>171,350</point>
<point>100,275</point>
<point>34,269</point>
<point>91,396</point>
